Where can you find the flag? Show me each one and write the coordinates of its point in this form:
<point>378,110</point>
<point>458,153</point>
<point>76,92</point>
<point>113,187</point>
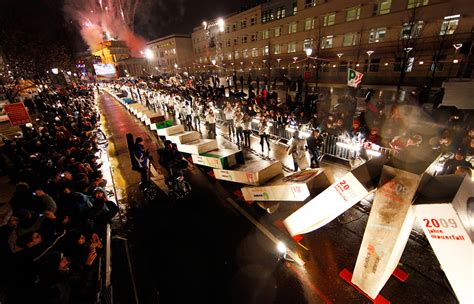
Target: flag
<point>354,78</point>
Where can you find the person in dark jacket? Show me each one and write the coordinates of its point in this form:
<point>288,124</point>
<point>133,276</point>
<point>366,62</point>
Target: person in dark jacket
<point>315,143</point>
<point>141,156</point>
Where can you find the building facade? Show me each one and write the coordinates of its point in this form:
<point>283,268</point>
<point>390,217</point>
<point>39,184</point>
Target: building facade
<point>170,53</point>
<point>408,40</point>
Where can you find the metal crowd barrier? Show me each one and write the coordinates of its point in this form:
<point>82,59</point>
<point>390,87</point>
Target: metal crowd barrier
<point>336,146</point>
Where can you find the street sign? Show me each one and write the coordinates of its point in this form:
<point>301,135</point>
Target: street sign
<point>17,113</point>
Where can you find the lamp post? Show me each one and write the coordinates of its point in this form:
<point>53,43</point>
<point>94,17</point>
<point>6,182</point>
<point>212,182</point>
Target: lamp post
<point>176,68</point>
<point>369,53</point>
<point>339,55</point>
<point>308,51</point>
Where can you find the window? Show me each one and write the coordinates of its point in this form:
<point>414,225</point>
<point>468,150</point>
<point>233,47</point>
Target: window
<point>373,66</point>
<point>266,50</point>
<point>399,63</point>
<point>236,55</point>
<point>234,27</point>
<point>411,30</point>
<point>281,12</point>
<point>278,31</point>
<point>292,47</point>
<point>449,25</point>
<point>292,28</point>
<point>265,34</point>
<point>253,37</point>
<point>416,3</point>
<point>295,8</point>
<point>235,41</point>
<point>253,21</point>
<point>307,44</point>
<point>377,35</point>
<point>227,43</point>
<point>349,39</point>
<point>382,8</point>
<point>310,3</point>
<point>277,49</point>
<point>227,29</point>
<point>254,52</point>
<point>267,16</point>
<point>440,65</point>
<point>244,39</point>
<point>309,24</point>
<point>329,19</point>
<point>353,13</point>
<point>243,24</point>
<point>326,42</point>
<point>229,56</point>
<point>246,53</point>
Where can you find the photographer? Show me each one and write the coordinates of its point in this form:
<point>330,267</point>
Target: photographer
<point>141,156</point>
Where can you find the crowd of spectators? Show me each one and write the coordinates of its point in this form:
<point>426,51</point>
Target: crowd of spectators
<point>53,240</point>
<point>366,120</point>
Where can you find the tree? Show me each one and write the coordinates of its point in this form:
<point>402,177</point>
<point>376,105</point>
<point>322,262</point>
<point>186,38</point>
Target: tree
<point>406,45</point>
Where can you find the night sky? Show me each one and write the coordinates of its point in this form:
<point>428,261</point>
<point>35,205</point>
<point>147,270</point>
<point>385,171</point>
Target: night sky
<point>158,18</point>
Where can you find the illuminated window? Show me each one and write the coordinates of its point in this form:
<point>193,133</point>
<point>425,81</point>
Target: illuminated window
<point>266,50</point>
<point>329,19</point>
<point>349,39</point>
<point>377,35</point>
<point>292,28</point>
<point>309,24</point>
<point>410,30</point>
<point>244,39</point>
<point>353,13</point>
<point>307,44</point>
<point>382,8</point>
<point>253,21</point>
<point>278,31</point>
<point>292,47</point>
<point>243,24</point>
<point>277,49</point>
<point>236,55</point>
<point>417,3</point>
<point>254,52</point>
<point>281,12</point>
<point>310,3</point>
<point>246,53</point>
<point>449,25</point>
<point>265,34</point>
<point>295,8</point>
<point>326,42</point>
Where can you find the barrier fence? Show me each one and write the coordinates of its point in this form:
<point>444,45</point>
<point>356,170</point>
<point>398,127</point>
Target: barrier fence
<point>340,147</point>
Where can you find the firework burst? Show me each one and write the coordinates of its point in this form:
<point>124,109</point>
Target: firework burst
<point>106,19</point>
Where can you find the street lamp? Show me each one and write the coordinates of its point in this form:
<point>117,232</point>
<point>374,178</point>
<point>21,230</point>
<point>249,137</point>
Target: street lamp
<point>149,54</point>
<point>369,53</point>
<point>55,71</point>
<point>308,51</point>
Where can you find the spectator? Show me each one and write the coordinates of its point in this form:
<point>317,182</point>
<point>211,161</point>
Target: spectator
<point>459,160</point>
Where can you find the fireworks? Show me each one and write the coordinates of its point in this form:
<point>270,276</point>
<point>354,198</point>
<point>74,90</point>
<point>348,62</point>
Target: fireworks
<point>109,19</point>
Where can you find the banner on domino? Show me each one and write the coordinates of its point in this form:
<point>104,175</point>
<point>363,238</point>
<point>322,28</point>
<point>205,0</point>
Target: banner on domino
<point>452,246</point>
<point>388,229</point>
<point>329,204</point>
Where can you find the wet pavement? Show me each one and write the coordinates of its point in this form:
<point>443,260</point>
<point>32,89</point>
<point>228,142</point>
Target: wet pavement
<point>201,249</point>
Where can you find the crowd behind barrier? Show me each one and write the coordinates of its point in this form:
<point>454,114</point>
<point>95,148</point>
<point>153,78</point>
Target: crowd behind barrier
<point>57,235</point>
<point>350,131</point>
